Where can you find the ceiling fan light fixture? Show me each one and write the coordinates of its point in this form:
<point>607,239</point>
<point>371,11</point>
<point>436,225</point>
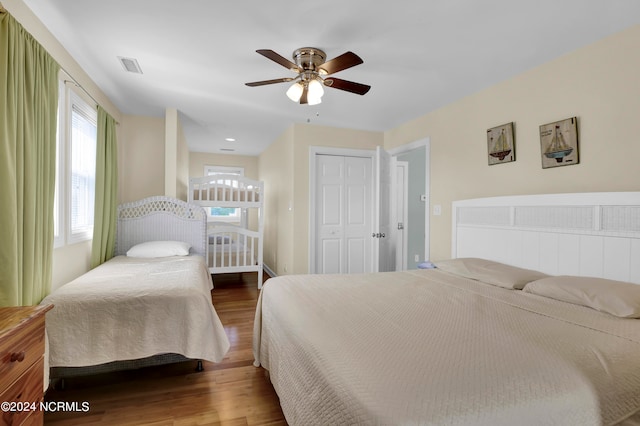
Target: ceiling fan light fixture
<point>315,89</point>
<point>313,74</point>
<point>295,91</point>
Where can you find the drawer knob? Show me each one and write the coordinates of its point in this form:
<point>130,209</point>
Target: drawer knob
<point>17,356</point>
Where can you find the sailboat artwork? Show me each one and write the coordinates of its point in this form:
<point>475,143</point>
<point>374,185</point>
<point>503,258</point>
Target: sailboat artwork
<point>559,143</point>
<point>500,144</point>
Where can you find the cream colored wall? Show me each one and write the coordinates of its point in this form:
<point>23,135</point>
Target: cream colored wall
<point>182,165</point>
<point>69,262</point>
<point>197,161</point>
<point>284,168</point>
<point>170,151</point>
<point>599,84</point>
<point>142,166</point>
<point>275,166</point>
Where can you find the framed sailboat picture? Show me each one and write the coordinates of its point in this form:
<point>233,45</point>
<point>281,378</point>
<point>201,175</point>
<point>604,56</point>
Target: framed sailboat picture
<point>559,143</point>
<point>500,144</point>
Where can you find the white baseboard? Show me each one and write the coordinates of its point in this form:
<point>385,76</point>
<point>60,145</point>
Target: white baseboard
<point>268,270</point>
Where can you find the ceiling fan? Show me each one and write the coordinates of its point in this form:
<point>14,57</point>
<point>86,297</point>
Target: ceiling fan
<point>313,74</point>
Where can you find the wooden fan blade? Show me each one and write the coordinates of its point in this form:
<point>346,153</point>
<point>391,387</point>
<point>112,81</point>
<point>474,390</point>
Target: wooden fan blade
<point>342,62</point>
<point>264,82</point>
<point>303,98</point>
<point>349,86</point>
<point>270,54</point>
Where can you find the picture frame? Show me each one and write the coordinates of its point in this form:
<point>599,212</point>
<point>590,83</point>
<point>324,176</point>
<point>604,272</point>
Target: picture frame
<point>559,143</point>
<point>501,146</point>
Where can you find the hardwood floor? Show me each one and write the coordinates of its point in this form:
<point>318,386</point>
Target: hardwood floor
<point>232,392</point>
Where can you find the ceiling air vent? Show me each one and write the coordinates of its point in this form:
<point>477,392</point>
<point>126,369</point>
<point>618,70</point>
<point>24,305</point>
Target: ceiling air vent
<point>130,64</point>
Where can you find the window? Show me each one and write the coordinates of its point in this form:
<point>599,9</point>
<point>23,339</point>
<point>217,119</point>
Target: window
<point>229,214</point>
<point>83,169</point>
<point>75,168</point>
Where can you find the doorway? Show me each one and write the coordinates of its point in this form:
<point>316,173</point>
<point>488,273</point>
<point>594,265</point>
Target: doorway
<point>400,213</point>
<point>416,225</point>
<point>380,253</point>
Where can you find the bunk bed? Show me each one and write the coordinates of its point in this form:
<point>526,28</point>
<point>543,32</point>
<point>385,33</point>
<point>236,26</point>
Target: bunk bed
<point>232,247</point>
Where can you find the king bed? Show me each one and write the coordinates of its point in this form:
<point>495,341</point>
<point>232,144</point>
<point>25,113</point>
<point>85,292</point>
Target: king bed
<point>534,320</point>
<point>150,304</point>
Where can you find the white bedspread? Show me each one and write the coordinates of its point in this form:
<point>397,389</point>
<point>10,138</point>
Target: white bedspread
<point>130,308</point>
<point>426,347</point>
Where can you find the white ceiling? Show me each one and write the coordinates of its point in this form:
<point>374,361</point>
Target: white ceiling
<point>418,55</point>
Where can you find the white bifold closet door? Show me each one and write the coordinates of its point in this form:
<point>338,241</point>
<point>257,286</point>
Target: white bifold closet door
<point>344,214</point>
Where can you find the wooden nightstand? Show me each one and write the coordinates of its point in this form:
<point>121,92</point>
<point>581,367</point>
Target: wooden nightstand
<point>22,362</point>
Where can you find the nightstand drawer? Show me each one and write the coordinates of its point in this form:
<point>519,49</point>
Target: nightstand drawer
<point>20,348</point>
<point>26,392</point>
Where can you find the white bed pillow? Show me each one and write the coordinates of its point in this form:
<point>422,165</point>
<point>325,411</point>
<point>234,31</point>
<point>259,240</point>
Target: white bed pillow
<point>490,272</point>
<point>159,249</point>
<point>617,298</point>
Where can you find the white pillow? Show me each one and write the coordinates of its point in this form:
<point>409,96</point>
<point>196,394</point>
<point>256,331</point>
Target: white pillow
<point>618,298</point>
<point>490,272</point>
<point>159,249</point>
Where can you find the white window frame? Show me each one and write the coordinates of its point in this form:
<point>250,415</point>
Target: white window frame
<point>212,170</point>
<point>69,97</point>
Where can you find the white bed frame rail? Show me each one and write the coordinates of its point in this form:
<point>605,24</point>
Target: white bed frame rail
<point>225,190</point>
<point>236,249</point>
<point>584,234</point>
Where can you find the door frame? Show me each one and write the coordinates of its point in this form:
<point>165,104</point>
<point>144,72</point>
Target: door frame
<point>325,150</point>
<point>401,260</point>
<point>426,142</point>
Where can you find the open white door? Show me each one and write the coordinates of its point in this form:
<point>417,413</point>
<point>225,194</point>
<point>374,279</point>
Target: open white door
<point>383,244</point>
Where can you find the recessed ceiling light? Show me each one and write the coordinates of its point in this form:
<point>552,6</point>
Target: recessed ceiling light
<point>230,139</point>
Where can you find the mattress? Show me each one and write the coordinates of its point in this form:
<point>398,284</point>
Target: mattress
<point>131,308</point>
<point>427,347</point>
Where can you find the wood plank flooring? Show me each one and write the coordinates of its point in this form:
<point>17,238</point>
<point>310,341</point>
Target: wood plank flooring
<point>232,392</point>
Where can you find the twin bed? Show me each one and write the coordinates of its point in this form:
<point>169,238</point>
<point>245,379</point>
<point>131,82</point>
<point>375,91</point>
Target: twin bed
<point>147,309</point>
<point>506,339</point>
<point>152,306</point>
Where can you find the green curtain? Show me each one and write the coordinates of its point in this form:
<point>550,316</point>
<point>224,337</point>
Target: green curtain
<point>104,222</point>
<point>28,127</point>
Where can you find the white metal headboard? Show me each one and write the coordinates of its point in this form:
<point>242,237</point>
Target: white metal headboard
<point>585,234</point>
<point>161,218</point>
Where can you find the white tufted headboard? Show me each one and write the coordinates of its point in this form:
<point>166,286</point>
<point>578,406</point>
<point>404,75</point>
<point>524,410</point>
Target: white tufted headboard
<point>161,218</point>
<point>585,234</point>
